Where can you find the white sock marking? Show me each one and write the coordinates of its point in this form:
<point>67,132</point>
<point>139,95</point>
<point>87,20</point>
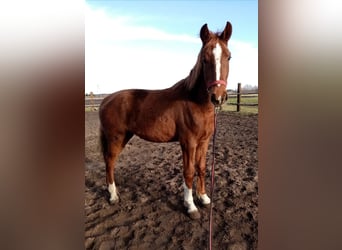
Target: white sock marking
<point>188,199</point>
<point>113,192</point>
<point>204,199</point>
<point>217,51</point>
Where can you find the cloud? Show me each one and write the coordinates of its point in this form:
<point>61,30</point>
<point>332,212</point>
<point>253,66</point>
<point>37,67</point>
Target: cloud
<point>243,65</point>
<point>102,27</point>
<point>121,54</point>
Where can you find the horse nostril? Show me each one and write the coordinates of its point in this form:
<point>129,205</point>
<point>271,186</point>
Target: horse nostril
<point>214,100</point>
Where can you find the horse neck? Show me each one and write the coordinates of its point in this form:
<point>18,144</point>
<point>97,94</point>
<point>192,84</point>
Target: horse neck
<point>199,93</point>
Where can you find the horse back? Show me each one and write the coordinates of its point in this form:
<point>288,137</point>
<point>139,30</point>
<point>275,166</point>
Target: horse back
<point>150,114</point>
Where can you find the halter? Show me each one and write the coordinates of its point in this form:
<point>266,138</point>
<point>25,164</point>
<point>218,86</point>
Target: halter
<point>216,82</point>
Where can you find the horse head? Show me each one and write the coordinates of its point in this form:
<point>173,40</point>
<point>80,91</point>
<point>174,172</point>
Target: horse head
<point>215,58</point>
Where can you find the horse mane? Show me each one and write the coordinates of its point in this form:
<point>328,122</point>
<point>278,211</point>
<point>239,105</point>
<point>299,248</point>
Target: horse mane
<point>190,80</point>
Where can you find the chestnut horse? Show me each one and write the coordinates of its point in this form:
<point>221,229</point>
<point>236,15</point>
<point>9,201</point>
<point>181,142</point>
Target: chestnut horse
<point>183,112</point>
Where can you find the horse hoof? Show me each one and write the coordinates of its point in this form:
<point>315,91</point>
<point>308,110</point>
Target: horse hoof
<point>195,215</point>
<point>206,206</point>
<point>113,201</point>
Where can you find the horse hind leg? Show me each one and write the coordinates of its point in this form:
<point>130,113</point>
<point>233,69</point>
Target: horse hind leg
<point>111,148</point>
<point>110,164</point>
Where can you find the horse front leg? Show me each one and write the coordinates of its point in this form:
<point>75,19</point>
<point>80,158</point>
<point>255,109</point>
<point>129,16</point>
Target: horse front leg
<point>189,153</point>
<point>201,153</point>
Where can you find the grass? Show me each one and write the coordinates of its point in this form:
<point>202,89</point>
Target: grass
<point>89,109</point>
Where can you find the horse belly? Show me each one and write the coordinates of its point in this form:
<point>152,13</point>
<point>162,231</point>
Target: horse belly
<point>160,129</point>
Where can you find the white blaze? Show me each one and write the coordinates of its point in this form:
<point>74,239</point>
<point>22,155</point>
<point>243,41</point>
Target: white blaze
<point>217,51</point>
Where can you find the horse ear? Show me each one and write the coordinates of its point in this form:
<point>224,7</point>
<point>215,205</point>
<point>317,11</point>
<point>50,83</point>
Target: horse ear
<point>205,34</point>
<point>227,32</point>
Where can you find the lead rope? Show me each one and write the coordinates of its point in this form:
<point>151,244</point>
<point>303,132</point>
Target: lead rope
<point>212,181</point>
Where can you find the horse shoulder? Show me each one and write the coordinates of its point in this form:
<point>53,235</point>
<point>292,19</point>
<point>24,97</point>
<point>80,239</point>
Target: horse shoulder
<point>196,122</point>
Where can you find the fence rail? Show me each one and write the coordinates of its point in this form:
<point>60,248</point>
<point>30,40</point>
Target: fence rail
<point>93,102</point>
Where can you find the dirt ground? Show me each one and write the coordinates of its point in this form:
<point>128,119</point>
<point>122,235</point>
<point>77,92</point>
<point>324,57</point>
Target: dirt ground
<point>151,214</point>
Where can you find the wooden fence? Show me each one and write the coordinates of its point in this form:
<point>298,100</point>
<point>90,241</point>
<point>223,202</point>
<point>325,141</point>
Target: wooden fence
<point>239,95</point>
<point>93,102</point>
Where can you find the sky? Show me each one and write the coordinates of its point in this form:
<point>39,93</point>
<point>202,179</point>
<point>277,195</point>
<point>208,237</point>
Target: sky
<point>154,44</point>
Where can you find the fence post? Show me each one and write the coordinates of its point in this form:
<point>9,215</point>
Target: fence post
<point>92,103</point>
<point>238,97</point>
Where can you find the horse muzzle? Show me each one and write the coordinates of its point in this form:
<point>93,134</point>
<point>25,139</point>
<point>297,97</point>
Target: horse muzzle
<point>218,100</point>
<point>217,91</point>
